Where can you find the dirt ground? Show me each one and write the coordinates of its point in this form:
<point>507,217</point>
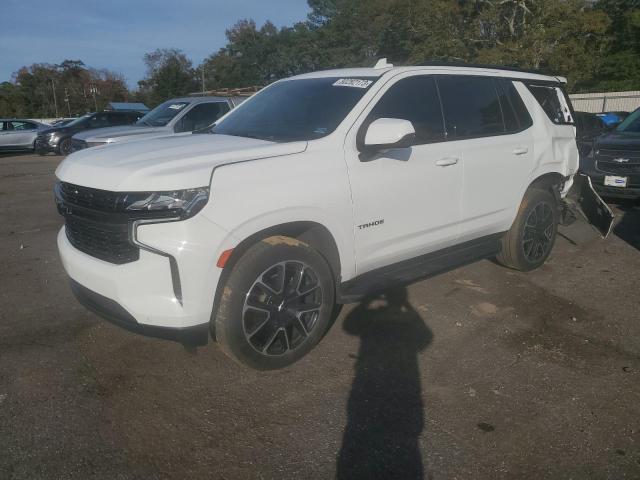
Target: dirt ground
<point>480,373</point>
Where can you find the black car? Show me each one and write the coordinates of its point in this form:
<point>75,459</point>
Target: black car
<point>614,163</point>
<point>58,139</point>
<point>589,126</point>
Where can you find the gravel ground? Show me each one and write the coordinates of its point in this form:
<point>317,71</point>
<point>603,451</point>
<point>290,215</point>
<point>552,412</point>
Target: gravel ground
<point>478,373</point>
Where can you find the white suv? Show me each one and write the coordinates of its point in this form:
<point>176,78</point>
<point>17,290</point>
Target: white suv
<point>318,191</point>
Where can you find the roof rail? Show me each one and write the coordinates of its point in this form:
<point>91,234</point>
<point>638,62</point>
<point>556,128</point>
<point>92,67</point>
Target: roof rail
<point>479,65</point>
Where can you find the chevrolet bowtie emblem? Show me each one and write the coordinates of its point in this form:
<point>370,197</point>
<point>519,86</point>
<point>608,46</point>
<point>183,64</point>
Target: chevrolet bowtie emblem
<point>621,160</point>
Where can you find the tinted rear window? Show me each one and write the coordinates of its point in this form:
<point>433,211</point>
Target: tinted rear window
<point>553,102</point>
<point>471,107</point>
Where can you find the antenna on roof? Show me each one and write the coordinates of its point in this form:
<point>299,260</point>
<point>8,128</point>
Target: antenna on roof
<point>382,63</point>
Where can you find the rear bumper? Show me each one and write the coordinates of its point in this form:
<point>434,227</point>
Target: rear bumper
<point>112,311</point>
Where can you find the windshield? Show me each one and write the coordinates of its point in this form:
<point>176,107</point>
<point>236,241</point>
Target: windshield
<point>162,114</point>
<point>77,121</point>
<point>295,110</point>
<point>631,124</point>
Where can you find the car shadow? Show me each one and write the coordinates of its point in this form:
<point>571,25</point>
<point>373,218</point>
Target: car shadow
<point>385,408</point>
<point>628,228</point>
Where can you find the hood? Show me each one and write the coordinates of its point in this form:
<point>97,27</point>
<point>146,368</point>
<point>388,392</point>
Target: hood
<point>619,141</point>
<point>112,134</point>
<point>165,163</point>
<point>49,129</point>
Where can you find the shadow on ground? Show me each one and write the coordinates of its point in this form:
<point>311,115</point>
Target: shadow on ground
<point>628,228</point>
<point>385,409</point>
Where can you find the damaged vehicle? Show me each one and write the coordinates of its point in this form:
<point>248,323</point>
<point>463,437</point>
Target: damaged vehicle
<point>613,165</point>
<point>319,190</point>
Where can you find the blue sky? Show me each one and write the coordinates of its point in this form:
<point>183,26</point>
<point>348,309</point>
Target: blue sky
<point>115,34</point>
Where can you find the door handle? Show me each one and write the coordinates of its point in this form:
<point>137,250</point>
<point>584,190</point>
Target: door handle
<point>445,162</point>
<point>520,151</point>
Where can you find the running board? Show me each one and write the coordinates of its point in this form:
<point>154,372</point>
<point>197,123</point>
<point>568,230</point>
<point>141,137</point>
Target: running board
<point>409,271</point>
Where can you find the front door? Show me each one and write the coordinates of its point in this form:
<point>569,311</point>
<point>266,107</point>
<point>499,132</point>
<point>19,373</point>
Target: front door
<point>406,202</point>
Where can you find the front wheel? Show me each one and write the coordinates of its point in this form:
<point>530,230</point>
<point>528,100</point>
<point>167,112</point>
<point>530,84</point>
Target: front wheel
<point>528,243</point>
<point>277,304</point>
<point>65,147</point>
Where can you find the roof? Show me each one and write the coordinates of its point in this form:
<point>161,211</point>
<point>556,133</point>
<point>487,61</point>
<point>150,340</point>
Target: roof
<point>197,99</point>
<point>511,72</point>
<point>140,107</point>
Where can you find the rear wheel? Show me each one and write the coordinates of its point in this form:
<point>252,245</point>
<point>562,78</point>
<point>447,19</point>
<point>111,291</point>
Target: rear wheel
<point>277,304</point>
<point>528,243</point>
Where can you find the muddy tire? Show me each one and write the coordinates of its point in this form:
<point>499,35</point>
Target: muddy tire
<point>530,240</point>
<point>277,304</point>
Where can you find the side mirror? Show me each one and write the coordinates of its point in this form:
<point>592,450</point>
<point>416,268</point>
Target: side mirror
<point>387,133</point>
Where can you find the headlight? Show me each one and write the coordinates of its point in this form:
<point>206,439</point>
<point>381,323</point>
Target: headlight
<point>180,203</point>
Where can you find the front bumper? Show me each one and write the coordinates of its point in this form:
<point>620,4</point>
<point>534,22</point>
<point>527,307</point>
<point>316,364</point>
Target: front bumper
<point>141,295</point>
<point>631,191</point>
<point>110,310</point>
<point>44,145</point>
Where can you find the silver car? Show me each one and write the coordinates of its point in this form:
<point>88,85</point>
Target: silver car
<point>18,134</point>
<point>179,115</point>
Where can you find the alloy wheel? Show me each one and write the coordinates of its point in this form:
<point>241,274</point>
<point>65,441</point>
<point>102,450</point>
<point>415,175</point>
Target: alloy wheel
<point>538,232</point>
<point>281,308</point>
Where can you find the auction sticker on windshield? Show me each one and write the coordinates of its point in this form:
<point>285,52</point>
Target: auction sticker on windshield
<point>177,106</point>
<point>352,82</point>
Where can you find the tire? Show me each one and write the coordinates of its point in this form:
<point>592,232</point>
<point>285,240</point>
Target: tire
<point>527,245</point>
<point>65,147</point>
<point>277,304</point>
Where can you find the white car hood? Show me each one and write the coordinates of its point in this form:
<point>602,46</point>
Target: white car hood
<point>165,163</point>
<point>109,134</point>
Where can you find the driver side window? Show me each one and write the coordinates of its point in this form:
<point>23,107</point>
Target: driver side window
<point>414,99</point>
<point>201,116</point>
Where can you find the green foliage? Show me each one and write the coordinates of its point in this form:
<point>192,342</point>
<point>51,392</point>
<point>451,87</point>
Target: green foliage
<point>169,74</point>
<point>595,44</point>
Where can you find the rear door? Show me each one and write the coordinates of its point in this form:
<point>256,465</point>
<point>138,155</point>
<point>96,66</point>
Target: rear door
<point>496,150</point>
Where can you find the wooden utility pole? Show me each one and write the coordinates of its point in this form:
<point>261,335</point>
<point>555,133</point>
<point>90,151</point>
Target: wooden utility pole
<point>66,99</point>
<point>55,102</point>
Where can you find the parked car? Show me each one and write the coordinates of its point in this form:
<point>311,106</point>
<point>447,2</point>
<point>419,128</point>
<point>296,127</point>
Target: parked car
<point>57,139</point>
<point>317,191</point>
<point>613,119</point>
<point>588,127</point>
<point>18,134</point>
<point>614,163</point>
<point>61,122</point>
<point>179,115</point>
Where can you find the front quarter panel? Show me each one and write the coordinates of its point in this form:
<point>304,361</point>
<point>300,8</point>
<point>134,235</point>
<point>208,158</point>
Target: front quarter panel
<point>311,186</point>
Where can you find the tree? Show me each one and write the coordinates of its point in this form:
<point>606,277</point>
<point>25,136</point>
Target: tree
<point>169,74</point>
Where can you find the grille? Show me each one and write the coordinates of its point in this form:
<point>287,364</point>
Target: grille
<point>606,161</point>
<point>94,225</point>
<point>621,168</point>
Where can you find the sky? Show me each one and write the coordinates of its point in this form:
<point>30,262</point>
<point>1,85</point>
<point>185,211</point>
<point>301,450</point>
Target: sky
<point>115,34</point>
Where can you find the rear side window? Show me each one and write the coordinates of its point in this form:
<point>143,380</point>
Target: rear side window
<point>414,99</point>
<point>516,115</point>
<point>553,102</point>
<point>471,107</point>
